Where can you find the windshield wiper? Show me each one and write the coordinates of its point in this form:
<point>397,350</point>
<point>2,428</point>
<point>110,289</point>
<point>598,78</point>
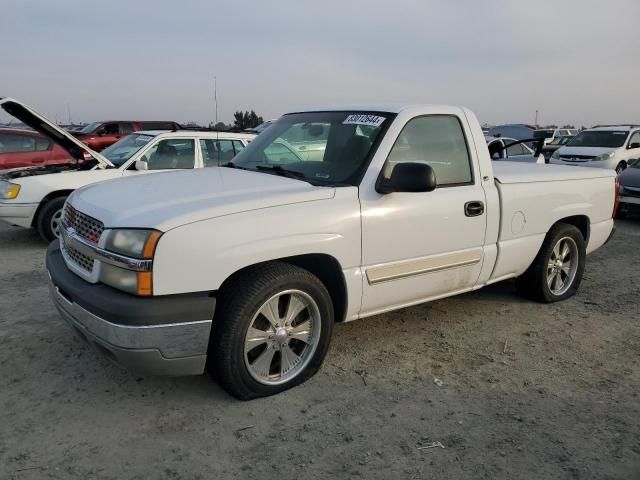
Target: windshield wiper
<point>233,165</point>
<point>278,170</point>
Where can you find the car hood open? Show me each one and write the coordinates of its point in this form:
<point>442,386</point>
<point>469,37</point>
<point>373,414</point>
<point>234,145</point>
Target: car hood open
<point>168,200</point>
<point>45,127</point>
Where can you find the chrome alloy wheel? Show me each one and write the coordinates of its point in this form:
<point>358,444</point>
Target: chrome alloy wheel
<point>563,265</point>
<point>282,337</point>
<point>56,220</point>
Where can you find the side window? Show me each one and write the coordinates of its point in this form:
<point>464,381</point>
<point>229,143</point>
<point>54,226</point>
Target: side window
<point>126,128</point>
<point>110,129</point>
<point>174,153</point>
<point>515,150</point>
<point>635,138</point>
<point>216,152</point>
<point>437,140</point>
<point>43,144</point>
<point>238,146</point>
<point>16,143</point>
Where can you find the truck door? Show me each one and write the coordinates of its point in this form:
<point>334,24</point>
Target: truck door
<point>418,246</point>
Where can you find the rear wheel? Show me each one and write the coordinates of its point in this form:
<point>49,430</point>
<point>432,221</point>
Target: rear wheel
<point>556,272</point>
<point>49,219</point>
<point>272,329</point>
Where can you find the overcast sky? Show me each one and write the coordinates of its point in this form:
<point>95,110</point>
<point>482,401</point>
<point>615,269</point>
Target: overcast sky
<point>575,61</point>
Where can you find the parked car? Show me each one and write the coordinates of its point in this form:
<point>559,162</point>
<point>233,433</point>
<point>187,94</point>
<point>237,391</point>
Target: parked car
<point>38,194</point>
<point>519,131</point>
<point>510,149</point>
<point>247,268</point>
<point>609,147</point>
<point>555,144</point>
<point>630,189</point>
<point>260,128</point>
<point>549,135</point>
<point>26,148</point>
<point>100,135</point>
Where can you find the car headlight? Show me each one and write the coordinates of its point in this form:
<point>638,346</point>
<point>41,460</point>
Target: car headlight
<point>8,190</point>
<point>137,244</point>
<point>604,156</point>
<point>556,154</point>
<point>133,243</point>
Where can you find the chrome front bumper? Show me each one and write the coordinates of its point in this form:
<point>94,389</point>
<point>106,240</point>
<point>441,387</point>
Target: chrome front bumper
<point>171,349</point>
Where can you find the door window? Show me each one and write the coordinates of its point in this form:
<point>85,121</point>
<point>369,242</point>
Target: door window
<point>111,128</point>
<point>216,153</point>
<point>126,128</point>
<point>439,141</point>
<point>16,143</point>
<point>238,146</point>
<point>174,153</point>
<point>43,144</point>
<point>635,138</point>
<point>516,150</point>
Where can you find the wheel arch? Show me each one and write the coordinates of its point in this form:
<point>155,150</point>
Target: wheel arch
<point>45,200</point>
<point>581,222</point>
<point>324,266</point>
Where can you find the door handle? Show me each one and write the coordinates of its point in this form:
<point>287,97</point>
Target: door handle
<point>474,209</point>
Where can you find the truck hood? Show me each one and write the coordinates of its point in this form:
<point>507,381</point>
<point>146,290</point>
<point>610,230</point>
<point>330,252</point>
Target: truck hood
<point>45,127</point>
<point>168,200</point>
<point>591,151</point>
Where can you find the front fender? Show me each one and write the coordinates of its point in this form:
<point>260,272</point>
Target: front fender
<point>200,256</point>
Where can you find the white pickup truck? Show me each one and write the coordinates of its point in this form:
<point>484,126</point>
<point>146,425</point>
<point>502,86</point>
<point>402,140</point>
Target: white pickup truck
<point>245,269</point>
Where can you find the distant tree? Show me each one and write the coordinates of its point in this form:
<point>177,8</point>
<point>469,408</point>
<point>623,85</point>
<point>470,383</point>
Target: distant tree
<point>220,126</point>
<point>244,120</point>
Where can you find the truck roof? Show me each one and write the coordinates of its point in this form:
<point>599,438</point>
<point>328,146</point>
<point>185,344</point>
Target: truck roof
<point>385,108</point>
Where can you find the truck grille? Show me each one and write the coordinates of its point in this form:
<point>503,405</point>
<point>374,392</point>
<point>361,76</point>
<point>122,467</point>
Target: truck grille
<point>576,158</point>
<point>87,227</point>
<point>80,259</point>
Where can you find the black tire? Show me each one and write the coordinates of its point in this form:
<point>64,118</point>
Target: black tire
<point>533,283</point>
<point>621,167</point>
<point>45,216</point>
<point>238,303</point>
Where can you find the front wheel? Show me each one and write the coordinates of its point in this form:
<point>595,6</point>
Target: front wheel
<point>556,272</point>
<point>621,167</point>
<point>271,331</point>
<point>49,219</point>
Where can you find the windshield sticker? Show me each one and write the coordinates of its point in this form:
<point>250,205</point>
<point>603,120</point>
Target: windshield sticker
<point>371,120</point>
<point>143,138</point>
<point>619,133</point>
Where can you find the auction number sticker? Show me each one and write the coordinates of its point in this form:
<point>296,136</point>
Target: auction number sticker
<point>359,119</point>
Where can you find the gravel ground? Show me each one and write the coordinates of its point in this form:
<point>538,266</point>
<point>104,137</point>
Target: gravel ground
<point>511,389</point>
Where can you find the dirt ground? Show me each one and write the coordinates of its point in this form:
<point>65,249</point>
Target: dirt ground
<point>512,390</point>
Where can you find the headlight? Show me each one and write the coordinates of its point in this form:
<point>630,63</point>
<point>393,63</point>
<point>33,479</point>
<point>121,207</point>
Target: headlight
<point>8,190</point>
<point>134,243</point>
<point>556,154</point>
<point>604,156</point>
<point>140,244</point>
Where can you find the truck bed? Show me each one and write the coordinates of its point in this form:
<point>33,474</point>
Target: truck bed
<point>534,197</point>
<point>515,172</point>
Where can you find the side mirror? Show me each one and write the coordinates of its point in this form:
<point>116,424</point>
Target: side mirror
<point>634,145</point>
<point>142,164</point>
<point>409,177</point>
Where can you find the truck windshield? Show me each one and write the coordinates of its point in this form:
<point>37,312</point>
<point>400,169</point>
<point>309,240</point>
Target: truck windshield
<point>125,148</point>
<point>599,138</point>
<point>323,148</point>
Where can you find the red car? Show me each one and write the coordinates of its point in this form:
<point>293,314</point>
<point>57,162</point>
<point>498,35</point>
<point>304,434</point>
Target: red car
<point>25,148</point>
<point>100,135</point>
